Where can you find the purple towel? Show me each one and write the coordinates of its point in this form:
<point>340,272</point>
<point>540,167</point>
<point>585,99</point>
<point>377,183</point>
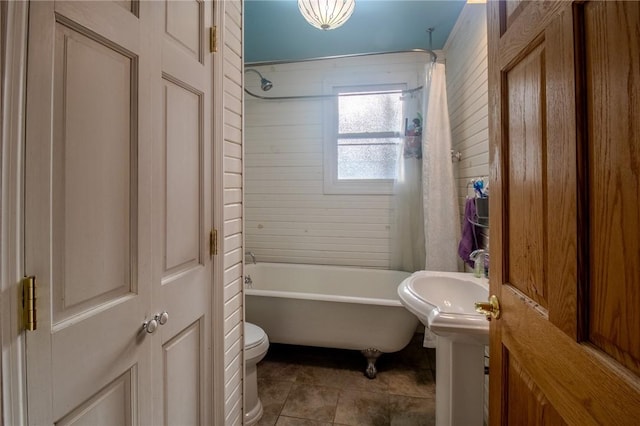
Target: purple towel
<point>468,242</point>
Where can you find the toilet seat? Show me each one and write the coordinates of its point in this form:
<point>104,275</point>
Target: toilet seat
<point>256,342</point>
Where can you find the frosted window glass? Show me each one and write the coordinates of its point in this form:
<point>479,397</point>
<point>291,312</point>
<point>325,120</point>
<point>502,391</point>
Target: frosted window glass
<point>368,161</point>
<point>369,129</point>
<point>370,113</point>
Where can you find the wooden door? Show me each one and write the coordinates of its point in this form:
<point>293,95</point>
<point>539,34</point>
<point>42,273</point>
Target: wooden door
<point>117,212</point>
<point>183,213</point>
<point>565,184</point>
<point>87,237</point>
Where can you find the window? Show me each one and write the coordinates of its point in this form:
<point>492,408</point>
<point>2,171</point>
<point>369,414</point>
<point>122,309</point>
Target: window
<point>365,139</point>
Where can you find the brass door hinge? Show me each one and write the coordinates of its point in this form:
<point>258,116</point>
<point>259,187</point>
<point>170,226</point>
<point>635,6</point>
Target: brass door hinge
<point>29,303</point>
<point>213,39</point>
<point>213,242</point>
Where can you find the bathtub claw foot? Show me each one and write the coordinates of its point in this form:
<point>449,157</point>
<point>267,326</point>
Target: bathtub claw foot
<point>372,356</point>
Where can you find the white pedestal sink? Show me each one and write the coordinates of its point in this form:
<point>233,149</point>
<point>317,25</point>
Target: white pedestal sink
<point>444,302</point>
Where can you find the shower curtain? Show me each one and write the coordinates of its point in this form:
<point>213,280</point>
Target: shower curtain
<point>407,231</point>
<point>441,213</point>
<point>424,232</point>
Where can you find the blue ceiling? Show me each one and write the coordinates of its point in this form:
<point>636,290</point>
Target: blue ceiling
<point>274,30</point>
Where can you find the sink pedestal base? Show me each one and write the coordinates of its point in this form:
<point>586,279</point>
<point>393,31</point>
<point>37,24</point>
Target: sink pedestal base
<point>459,383</point>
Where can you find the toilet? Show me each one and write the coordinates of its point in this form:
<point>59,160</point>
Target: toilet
<point>256,344</point>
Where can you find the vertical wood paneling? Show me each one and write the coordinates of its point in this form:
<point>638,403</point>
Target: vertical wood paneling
<point>288,216</point>
<point>466,59</point>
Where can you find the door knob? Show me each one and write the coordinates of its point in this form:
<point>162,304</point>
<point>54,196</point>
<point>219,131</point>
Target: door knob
<point>153,324</point>
<point>491,308</point>
<point>150,326</point>
<point>162,317</point>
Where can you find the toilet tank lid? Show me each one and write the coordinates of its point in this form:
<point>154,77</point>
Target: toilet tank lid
<point>253,335</point>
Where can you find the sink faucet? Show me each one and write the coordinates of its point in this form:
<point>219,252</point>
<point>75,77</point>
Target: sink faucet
<point>253,256</point>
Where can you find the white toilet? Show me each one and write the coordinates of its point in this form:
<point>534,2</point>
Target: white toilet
<point>256,344</point>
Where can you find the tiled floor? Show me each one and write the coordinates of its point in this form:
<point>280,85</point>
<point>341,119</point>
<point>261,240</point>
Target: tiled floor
<point>303,386</point>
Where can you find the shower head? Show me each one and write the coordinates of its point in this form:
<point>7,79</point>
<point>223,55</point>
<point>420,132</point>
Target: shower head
<point>264,83</point>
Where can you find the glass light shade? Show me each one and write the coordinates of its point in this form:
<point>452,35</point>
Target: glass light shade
<point>326,14</point>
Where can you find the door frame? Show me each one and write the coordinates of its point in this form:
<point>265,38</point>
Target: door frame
<point>14,18</point>
<point>13,48</point>
<point>217,166</point>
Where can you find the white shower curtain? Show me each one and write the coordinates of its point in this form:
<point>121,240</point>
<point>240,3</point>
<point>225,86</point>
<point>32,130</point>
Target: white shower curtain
<point>441,213</point>
<point>407,232</point>
<point>407,236</point>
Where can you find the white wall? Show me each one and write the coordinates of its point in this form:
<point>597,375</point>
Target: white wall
<point>466,53</point>
<point>467,87</point>
<point>288,217</point>
<point>231,244</point>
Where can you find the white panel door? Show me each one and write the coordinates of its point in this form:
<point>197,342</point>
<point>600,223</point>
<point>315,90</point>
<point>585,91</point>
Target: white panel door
<point>118,212</point>
<point>87,237</point>
<point>183,200</point>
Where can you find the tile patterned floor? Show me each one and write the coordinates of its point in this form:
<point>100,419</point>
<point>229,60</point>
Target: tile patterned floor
<point>303,386</point>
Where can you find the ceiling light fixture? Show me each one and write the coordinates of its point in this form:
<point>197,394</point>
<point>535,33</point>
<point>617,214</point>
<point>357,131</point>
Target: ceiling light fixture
<point>326,14</point>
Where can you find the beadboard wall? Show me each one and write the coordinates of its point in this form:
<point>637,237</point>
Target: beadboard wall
<point>466,53</point>
<point>231,244</point>
<point>288,216</point>
<point>467,87</point>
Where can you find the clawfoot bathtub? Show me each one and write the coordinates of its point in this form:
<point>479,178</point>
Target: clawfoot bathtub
<point>330,306</point>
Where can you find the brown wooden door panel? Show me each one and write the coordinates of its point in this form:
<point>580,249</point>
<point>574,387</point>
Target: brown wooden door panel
<point>563,251</point>
<point>582,386</point>
<point>564,84</point>
<point>526,403</point>
<point>613,93</point>
<point>525,245</point>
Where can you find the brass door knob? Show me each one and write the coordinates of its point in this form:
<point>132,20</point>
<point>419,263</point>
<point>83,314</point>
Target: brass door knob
<point>491,308</point>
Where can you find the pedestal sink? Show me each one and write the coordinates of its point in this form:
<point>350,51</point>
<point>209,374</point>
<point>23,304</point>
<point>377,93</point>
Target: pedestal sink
<point>444,302</point>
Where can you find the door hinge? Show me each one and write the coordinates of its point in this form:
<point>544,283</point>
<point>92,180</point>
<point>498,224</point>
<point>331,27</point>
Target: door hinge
<point>29,303</point>
<point>213,242</point>
<point>213,39</point>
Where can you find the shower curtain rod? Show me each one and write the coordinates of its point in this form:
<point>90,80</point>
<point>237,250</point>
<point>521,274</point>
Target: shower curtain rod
<point>381,92</point>
<point>431,53</point>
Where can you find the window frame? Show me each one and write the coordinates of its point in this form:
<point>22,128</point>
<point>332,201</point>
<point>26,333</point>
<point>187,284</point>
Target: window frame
<point>333,185</point>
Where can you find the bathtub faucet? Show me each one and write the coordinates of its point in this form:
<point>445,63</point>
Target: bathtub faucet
<point>248,282</point>
<point>253,256</point>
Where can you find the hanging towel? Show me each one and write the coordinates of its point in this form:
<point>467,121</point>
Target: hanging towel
<point>468,241</point>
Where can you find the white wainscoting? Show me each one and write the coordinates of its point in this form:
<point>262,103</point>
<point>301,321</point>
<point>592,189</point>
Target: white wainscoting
<point>466,52</point>
<point>230,238</point>
<point>467,87</point>
<point>288,217</point>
